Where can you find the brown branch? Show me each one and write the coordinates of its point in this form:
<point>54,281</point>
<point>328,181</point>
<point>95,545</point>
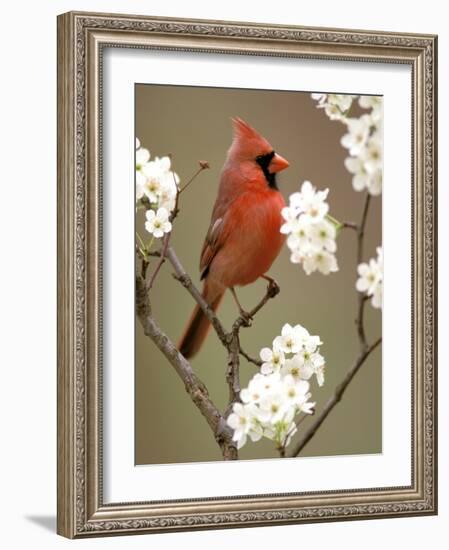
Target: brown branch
<point>162,255</point>
<point>233,369</point>
<point>365,350</point>
<point>186,281</point>
<point>204,165</point>
<point>336,398</point>
<point>193,385</point>
<point>234,349</point>
<point>362,297</point>
<point>250,359</point>
<point>350,225</point>
<point>272,291</point>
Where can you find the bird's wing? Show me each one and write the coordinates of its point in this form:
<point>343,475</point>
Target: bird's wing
<point>212,244</point>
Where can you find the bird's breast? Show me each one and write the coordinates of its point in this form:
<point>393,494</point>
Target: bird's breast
<point>253,238</point>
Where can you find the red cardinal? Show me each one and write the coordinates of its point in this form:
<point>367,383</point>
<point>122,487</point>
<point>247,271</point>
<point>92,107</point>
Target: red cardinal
<point>244,235</point>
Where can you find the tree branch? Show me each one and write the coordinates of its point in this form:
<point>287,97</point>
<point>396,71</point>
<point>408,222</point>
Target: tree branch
<point>365,350</point>
<point>193,385</point>
<point>250,359</point>
<point>336,398</point>
<point>362,297</point>
<point>204,165</point>
<point>186,281</point>
<point>234,349</point>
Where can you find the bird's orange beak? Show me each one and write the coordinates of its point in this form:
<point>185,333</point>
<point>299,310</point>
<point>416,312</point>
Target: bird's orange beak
<point>278,163</point>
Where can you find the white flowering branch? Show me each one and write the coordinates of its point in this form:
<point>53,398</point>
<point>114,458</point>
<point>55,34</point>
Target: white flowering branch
<point>336,398</point>
<point>365,349</point>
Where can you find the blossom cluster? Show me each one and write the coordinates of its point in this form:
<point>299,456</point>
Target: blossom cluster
<point>280,391</point>
<point>335,106</point>
<point>157,184</point>
<point>311,233</point>
<point>363,139</point>
<point>370,279</point>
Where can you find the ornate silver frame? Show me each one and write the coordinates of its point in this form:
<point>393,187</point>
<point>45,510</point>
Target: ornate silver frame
<point>81,38</point>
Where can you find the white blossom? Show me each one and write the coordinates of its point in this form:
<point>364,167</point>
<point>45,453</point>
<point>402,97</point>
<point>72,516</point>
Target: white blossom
<point>291,338</point>
<point>321,260</point>
<point>242,421</point>
<point>312,204</point>
<point>280,391</point>
<point>273,359</point>
<point>322,235</point>
<point>363,139</point>
<point>291,224</point>
<point>295,368</point>
<point>142,158</point>
<point>335,106</point>
<point>255,389</point>
<point>157,223</point>
<point>374,103</point>
<point>357,136</point>
<point>155,180</point>
<point>311,236</point>
<point>370,279</point>
<point>371,155</point>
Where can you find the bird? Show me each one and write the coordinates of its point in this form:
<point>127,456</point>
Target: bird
<point>244,235</point>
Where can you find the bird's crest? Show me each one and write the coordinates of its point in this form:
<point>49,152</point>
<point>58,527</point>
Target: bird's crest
<point>243,129</point>
<point>247,141</point>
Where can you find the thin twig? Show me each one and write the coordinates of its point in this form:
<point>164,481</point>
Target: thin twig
<point>234,349</point>
<point>162,255</point>
<point>336,397</point>
<point>193,385</point>
<point>250,359</point>
<point>203,166</point>
<point>362,297</point>
<point>350,225</point>
<point>233,369</point>
<point>186,281</point>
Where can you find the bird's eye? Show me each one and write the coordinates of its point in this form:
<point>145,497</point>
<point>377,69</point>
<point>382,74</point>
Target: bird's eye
<point>264,160</point>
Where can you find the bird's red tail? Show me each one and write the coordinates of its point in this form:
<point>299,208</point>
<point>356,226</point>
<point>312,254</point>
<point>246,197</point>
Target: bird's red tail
<point>198,325</point>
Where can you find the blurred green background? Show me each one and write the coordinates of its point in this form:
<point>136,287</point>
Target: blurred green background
<point>194,124</point>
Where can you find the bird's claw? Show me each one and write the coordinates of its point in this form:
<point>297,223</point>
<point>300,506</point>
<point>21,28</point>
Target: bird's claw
<point>246,318</point>
<point>273,289</point>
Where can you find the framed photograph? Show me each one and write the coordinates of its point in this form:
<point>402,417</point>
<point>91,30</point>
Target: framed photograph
<point>247,256</point>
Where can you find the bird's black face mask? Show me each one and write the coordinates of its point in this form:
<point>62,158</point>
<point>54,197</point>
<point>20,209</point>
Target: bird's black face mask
<point>264,162</point>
